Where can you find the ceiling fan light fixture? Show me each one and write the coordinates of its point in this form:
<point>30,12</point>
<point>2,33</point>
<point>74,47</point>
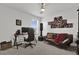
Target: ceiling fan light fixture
<point>43,9</point>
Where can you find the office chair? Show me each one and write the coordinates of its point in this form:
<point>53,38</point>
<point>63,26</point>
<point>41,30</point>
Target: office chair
<point>31,37</point>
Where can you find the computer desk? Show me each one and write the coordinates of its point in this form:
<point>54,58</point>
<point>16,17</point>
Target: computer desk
<point>15,40</point>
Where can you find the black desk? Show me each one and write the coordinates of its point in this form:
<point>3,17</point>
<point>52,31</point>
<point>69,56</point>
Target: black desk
<point>15,40</point>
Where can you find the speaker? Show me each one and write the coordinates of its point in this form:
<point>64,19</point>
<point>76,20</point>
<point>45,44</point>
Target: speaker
<point>41,26</point>
<point>40,38</point>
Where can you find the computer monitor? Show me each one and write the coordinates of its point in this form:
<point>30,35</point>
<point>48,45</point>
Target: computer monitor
<point>24,29</point>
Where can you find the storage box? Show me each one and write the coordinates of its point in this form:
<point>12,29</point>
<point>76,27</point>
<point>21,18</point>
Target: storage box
<point>5,45</point>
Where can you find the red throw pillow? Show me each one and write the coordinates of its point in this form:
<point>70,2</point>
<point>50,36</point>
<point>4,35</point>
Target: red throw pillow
<point>59,38</point>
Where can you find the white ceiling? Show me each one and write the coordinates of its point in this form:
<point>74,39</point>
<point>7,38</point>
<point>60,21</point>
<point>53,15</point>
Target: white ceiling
<point>35,8</point>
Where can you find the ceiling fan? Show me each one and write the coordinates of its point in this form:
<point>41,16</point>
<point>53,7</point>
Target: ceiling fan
<point>43,6</point>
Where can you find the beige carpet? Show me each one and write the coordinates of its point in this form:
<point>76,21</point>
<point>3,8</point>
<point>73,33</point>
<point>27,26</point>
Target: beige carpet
<point>40,49</point>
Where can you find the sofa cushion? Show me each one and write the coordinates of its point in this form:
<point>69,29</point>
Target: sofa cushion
<point>54,35</point>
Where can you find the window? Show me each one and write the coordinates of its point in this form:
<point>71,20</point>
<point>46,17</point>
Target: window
<point>34,24</point>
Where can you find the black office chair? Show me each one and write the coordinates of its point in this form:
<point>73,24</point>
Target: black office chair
<point>31,37</point>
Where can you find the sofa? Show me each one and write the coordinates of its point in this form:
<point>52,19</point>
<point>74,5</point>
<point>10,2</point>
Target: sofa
<point>60,39</point>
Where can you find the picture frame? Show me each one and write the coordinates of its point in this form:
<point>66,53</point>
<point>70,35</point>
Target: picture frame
<point>18,22</point>
<point>69,25</point>
<point>59,22</point>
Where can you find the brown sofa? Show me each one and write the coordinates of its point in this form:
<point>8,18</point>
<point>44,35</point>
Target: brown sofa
<point>60,39</point>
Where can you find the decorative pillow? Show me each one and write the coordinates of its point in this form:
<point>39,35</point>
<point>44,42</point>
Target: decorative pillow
<point>49,35</point>
<point>59,38</point>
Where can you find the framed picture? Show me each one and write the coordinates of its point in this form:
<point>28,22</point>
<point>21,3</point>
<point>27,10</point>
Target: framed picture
<point>69,25</point>
<point>18,22</point>
<point>59,22</point>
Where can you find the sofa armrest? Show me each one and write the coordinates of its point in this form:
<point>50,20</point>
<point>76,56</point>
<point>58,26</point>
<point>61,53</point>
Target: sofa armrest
<point>51,40</point>
<point>69,40</point>
<point>70,36</point>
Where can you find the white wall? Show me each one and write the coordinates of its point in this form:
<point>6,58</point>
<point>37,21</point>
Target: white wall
<point>70,15</point>
<point>8,18</point>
